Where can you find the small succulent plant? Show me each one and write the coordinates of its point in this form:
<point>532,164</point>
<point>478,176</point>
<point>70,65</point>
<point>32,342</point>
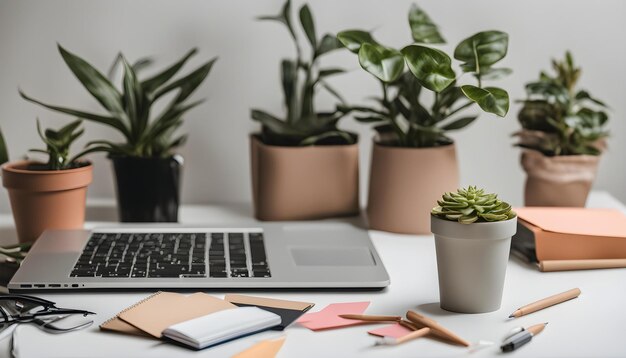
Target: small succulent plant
<point>471,205</point>
<point>58,144</point>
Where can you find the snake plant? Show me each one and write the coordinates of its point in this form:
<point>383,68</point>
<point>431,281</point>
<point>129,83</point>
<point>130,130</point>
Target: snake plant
<point>472,205</point>
<point>401,114</point>
<point>4,152</point>
<point>130,109</point>
<point>58,144</point>
<point>300,78</point>
<point>559,119</point>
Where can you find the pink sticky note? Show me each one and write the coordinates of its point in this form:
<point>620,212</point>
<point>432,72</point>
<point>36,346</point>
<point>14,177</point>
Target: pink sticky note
<point>394,331</point>
<point>329,318</point>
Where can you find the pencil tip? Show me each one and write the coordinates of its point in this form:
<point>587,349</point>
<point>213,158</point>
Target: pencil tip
<point>511,315</point>
<point>546,322</point>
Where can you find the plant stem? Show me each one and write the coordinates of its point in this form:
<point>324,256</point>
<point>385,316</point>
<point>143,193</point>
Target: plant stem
<point>392,116</point>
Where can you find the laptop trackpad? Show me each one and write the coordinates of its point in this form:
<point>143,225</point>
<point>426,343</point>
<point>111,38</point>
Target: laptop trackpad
<point>356,256</point>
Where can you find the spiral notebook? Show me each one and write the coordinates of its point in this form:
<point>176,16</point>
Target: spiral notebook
<point>161,310</point>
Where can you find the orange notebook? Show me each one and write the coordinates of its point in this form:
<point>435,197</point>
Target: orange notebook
<point>575,233</point>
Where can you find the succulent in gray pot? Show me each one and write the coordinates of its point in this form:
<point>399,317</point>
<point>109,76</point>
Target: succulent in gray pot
<point>51,194</point>
<point>147,168</point>
<point>422,101</point>
<point>302,165</point>
<point>473,231</point>
<point>563,136</point>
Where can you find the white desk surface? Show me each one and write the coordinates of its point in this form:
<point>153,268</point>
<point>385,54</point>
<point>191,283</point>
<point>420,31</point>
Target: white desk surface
<point>594,325</point>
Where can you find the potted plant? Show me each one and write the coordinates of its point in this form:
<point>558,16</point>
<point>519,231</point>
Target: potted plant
<point>48,195</point>
<point>303,166</point>
<point>413,158</point>
<point>146,167</point>
<point>563,135</point>
<point>473,233</point>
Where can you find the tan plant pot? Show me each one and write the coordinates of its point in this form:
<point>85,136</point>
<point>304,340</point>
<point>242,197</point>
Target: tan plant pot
<point>42,200</point>
<point>302,183</point>
<point>405,184</point>
<point>559,180</point>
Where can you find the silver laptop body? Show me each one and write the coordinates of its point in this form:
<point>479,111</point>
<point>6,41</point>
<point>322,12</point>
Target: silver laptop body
<point>324,254</point>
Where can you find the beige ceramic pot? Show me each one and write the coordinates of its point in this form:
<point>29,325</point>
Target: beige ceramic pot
<point>41,200</point>
<point>302,183</point>
<point>405,184</point>
<point>559,180</point>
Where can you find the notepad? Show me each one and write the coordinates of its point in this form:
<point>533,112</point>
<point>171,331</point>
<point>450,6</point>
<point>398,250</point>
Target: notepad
<point>221,326</point>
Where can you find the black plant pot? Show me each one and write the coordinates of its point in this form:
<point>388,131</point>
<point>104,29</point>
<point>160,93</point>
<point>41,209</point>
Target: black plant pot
<point>148,189</point>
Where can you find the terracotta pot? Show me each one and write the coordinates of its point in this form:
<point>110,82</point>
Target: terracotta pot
<point>559,180</point>
<point>405,184</point>
<point>41,200</point>
<point>303,183</point>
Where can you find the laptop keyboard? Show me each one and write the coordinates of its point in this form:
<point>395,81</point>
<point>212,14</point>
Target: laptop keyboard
<point>160,255</point>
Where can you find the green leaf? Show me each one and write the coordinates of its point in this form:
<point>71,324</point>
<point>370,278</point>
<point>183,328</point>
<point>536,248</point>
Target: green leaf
<point>423,29</point>
<point>284,17</point>
<point>273,124</point>
<point>306,19</point>
<point>187,84</point>
<point>150,85</point>
<point>329,43</point>
<point>490,99</point>
<point>459,123</point>
<point>99,87</point>
<point>354,39</point>
<point>386,64</point>
<point>584,95</point>
<point>431,67</point>
<point>318,137</point>
<point>288,78</point>
<point>482,50</point>
<point>4,152</point>
<point>131,94</point>
<point>325,72</point>
<point>110,121</point>
<point>332,91</point>
<point>369,119</point>
<point>495,73</point>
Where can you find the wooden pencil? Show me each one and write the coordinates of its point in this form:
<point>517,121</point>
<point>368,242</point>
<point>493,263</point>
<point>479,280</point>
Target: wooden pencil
<point>546,302</point>
<point>372,318</point>
<point>435,327</point>
<point>567,265</point>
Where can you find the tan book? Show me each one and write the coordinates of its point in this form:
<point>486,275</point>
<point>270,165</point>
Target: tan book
<point>115,324</point>
<point>159,312</point>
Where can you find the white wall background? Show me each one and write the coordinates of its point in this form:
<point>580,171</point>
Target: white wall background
<point>246,74</point>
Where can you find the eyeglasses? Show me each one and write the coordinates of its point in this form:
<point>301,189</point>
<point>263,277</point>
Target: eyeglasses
<point>16,309</point>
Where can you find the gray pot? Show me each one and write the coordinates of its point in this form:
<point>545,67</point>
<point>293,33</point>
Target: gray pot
<point>471,261</point>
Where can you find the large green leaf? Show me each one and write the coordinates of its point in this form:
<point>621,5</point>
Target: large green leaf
<point>431,67</point>
<point>306,19</point>
<point>110,121</point>
<point>98,85</point>
<point>482,50</point>
<point>327,44</point>
<point>274,124</point>
<point>354,39</point>
<point>423,29</point>
<point>490,99</point>
<point>386,64</point>
<point>131,94</point>
<point>187,84</point>
<point>153,83</point>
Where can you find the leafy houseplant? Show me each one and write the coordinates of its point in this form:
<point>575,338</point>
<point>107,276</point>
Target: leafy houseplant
<point>48,195</point>
<point>303,165</point>
<point>147,171</point>
<point>300,78</point>
<point>473,231</point>
<point>563,134</point>
<point>413,157</point>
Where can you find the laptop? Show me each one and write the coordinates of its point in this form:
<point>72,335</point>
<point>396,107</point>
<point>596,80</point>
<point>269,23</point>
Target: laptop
<point>296,255</point>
